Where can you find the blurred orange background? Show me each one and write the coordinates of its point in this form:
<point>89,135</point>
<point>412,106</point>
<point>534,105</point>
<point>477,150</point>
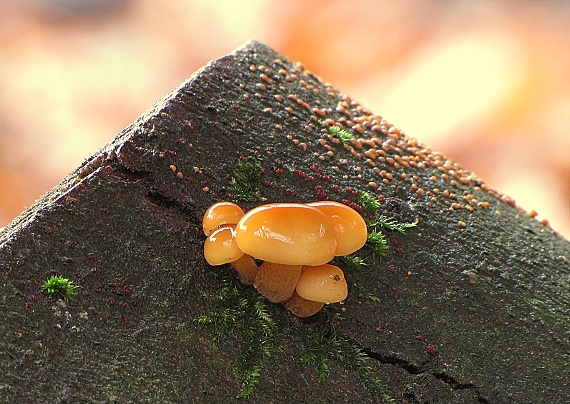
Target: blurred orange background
<point>487,83</point>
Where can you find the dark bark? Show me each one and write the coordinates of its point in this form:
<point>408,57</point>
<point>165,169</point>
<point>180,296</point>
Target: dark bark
<point>469,306</point>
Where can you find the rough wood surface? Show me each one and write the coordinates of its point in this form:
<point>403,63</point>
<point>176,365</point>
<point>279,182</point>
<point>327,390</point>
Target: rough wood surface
<point>469,306</point>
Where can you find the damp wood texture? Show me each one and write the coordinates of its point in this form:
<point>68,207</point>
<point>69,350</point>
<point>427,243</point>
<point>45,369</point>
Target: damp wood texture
<point>470,305</point>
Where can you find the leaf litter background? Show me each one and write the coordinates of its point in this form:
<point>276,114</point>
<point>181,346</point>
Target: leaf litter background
<point>486,83</point>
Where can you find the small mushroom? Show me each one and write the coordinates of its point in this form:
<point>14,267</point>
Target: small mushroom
<point>247,269</point>
<point>219,214</point>
<point>302,307</point>
<point>295,240</point>
<point>322,283</point>
<point>287,233</point>
<point>221,247</point>
<point>277,281</point>
<point>349,227</point>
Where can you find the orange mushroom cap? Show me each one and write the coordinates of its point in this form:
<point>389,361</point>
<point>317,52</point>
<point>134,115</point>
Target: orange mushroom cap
<point>219,214</point>
<point>287,233</point>
<point>220,247</point>
<point>322,283</point>
<point>349,227</point>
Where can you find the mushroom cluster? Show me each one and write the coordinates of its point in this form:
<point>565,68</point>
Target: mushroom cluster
<point>295,241</point>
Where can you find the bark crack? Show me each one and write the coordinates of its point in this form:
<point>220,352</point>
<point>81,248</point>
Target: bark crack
<point>128,175</point>
<point>183,207</point>
<point>415,369</point>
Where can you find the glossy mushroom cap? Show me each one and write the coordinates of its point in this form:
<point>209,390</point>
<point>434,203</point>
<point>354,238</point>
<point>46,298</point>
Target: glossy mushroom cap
<point>220,247</point>
<point>322,283</point>
<point>349,227</point>
<point>219,214</point>
<point>287,233</point>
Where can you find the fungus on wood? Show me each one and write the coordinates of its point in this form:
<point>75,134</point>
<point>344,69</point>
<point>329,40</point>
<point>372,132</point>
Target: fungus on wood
<point>470,305</point>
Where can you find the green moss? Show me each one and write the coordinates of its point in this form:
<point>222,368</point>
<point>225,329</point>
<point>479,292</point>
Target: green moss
<point>391,224</point>
<point>242,316</point>
<point>326,343</point>
<point>376,239</point>
<point>351,261</point>
<point>245,315</point>
<point>245,186</point>
<point>322,345</point>
<point>340,134</point>
<point>377,242</point>
<point>368,201</point>
<point>60,287</point>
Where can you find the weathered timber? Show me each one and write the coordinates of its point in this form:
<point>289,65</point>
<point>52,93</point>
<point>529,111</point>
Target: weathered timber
<point>472,305</point>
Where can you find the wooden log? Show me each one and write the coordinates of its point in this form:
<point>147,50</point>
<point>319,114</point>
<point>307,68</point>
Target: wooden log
<point>469,306</point>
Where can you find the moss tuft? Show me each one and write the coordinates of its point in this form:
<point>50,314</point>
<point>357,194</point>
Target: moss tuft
<point>377,242</point>
<point>245,185</point>
<point>367,201</point>
<point>60,287</point>
<point>237,313</point>
<point>352,261</point>
<point>326,343</point>
<point>340,134</point>
<point>391,224</point>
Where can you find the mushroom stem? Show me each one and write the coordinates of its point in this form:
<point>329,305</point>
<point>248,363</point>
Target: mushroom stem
<point>302,307</point>
<point>247,269</point>
<point>277,281</point>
